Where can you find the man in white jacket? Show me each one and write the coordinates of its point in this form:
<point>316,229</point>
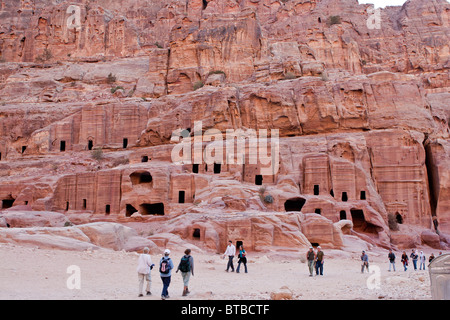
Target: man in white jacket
<point>230,252</point>
<point>143,269</point>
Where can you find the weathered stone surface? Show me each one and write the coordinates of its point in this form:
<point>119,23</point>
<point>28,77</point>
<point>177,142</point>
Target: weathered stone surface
<point>92,96</point>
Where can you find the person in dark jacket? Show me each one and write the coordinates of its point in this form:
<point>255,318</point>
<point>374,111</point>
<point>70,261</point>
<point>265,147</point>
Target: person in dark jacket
<point>242,259</point>
<point>186,266</point>
<point>391,257</point>
<point>310,257</point>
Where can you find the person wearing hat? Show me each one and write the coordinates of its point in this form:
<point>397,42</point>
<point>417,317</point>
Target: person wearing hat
<point>165,271</point>
<point>145,264</point>
<point>310,256</point>
<point>319,261</point>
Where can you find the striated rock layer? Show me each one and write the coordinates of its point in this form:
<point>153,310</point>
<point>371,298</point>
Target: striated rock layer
<point>102,104</point>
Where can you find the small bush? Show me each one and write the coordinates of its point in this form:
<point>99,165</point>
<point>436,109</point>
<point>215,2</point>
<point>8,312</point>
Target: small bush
<point>216,72</point>
<point>268,199</point>
<point>114,89</point>
<point>97,154</point>
<point>334,20</point>
<point>45,56</point>
<point>198,85</point>
<point>392,222</point>
<point>289,76</point>
<point>111,78</point>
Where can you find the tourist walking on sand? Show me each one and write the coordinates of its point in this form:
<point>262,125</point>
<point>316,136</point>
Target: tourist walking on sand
<point>144,267</point>
<point>310,257</point>
<point>431,258</point>
<point>319,261</point>
<point>186,266</point>
<point>422,260</point>
<point>365,261</point>
<point>242,259</point>
<point>391,257</point>
<point>165,271</point>
<point>405,260</point>
<point>414,256</point>
<point>230,253</point>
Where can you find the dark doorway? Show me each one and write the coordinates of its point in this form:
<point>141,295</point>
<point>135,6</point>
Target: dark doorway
<point>130,210</point>
<point>318,211</point>
<point>107,209</point>
<point>62,146</point>
<point>140,177</point>
<point>363,195</point>
<point>238,244</point>
<point>125,143</point>
<point>90,144</point>
<point>196,234</point>
<point>0,156</point>
<point>316,189</point>
<point>342,215</point>
<point>24,148</point>
<point>258,179</point>
<point>344,196</point>
<point>84,204</point>
<point>152,208</point>
<point>144,159</point>
<point>399,218</point>
<point>360,224</point>
<point>217,168</point>
<point>181,195</point>
<point>67,206</point>
<point>294,204</point>
<point>332,193</point>
<point>195,168</point>
<point>7,203</point>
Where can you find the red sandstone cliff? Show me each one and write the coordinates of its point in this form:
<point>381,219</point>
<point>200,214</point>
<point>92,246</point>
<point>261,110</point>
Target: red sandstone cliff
<point>362,109</point>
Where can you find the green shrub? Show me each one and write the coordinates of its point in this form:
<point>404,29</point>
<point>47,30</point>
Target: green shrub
<point>392,222</point>
<point>198,85</point>
<point>111,78</point>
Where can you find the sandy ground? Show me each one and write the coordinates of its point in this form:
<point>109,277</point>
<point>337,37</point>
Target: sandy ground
<point>33,273</point>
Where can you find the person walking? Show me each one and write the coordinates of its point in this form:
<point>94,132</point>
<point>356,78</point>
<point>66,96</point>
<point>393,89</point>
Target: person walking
<point>186,266</point>
<point>405,260</point>
<point>242,259</point>
<point>365,261</point>
<point>391,257</point>
<point>414,256</point>
<point>165,271</point>
<point>230,252</point>
<point>422,260</point>
<point>319,261</point>
<point>143,269</point>
<point>310,257</point>
<point>431,258</point>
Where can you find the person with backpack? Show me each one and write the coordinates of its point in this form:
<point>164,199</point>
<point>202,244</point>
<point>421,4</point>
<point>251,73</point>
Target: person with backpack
<point>242,259</point>
<point>186,266</point>
<point>165,271</point>
<point>365,261</point>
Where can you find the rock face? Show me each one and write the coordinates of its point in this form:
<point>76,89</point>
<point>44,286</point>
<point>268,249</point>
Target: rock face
<point>103,103</point>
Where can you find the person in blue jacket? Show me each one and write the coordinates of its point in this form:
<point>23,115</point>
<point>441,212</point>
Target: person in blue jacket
<point>165,271</point>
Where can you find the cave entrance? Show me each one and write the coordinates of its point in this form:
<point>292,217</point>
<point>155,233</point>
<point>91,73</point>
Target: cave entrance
<point>342,215</point>
<point>258,180</point>
<point>140,177</point>
<point>7,203</point>
<point>130,210</point>
<point>398,218</point>
<point>360,224</point>
<point>294,204</point>
<point>152,209</point>
<point>90,144</point>
<point>62,146</point>
<point>239,243</point>
<point>196,234</point>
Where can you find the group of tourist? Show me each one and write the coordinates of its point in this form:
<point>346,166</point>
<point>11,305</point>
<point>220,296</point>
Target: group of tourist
<point>186,266</point>
<point>315,261</point>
